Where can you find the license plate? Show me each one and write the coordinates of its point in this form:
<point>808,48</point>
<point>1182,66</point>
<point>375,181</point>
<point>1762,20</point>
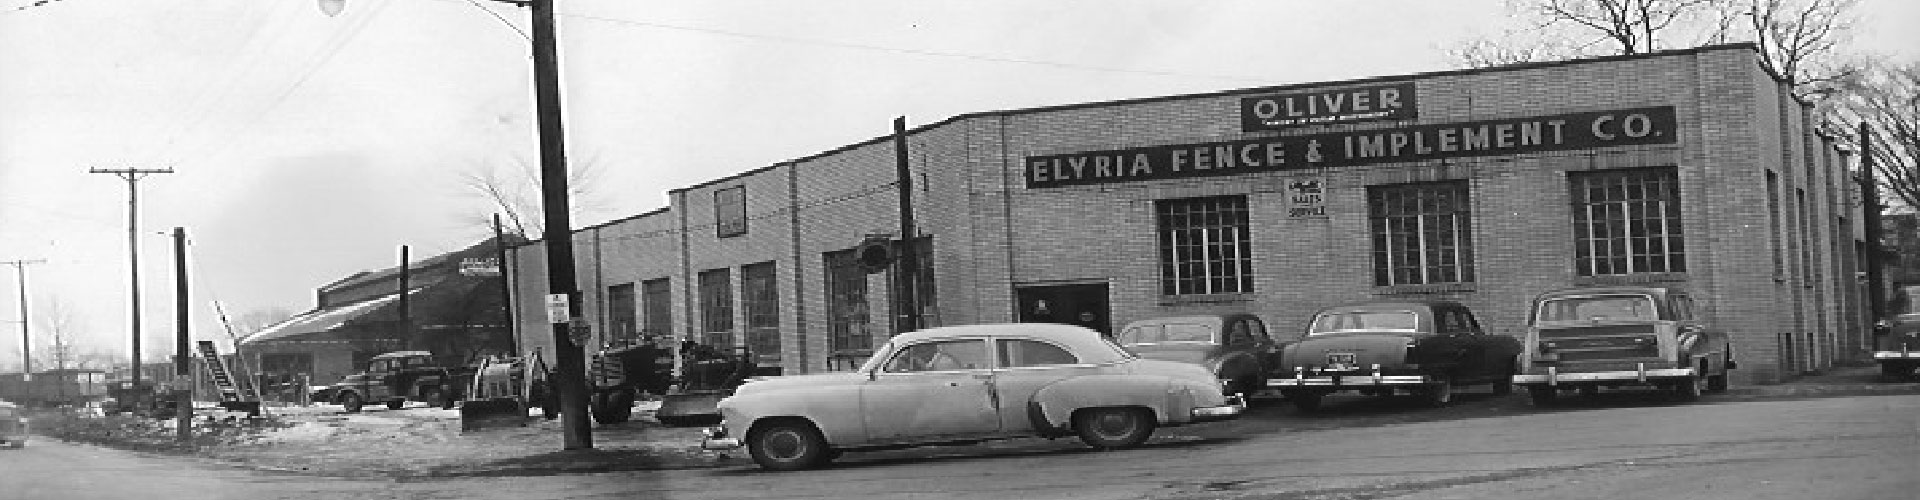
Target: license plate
<point>1340,361</point>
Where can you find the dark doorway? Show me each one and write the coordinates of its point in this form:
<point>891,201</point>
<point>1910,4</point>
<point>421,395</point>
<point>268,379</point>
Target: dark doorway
<point>1083,305</point>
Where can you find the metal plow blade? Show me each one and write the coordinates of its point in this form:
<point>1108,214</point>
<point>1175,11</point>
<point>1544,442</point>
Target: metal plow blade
<point>490,414</point>
<point>687,410</point>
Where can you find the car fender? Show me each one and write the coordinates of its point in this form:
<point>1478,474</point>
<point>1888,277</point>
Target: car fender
<point>829,409</point>
<point>1055,403</point>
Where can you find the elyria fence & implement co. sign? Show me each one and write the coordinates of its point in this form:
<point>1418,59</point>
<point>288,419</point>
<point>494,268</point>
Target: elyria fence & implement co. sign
<point>1626,127</point>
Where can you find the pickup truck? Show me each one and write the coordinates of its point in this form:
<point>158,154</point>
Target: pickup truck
<point>397,377</point>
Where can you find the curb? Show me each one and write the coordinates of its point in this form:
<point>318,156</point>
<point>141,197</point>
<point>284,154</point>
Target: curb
<point>1810,390</point>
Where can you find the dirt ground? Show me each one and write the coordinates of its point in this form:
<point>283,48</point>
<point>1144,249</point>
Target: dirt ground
<point>415,441</point>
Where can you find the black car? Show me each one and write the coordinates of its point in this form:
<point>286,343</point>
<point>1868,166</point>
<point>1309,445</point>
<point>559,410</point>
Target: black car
<point>1234,346</point>
<point>1424,348</point>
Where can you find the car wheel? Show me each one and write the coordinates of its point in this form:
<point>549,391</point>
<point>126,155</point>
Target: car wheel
<point>1689,390</point>
<point>788,445</point>
<point>1245,387</point>
<point>1895,371</point>
<point>1504,385</point>
<point>1717,383</point>
<point>1438,394</point>
<point>352,402</point>
<point>1543,395</point>
<point>1109,428</point>
<point>437,398</point>
<point>1306,401</point>
<point>395,404</point>
<point>613,407</point>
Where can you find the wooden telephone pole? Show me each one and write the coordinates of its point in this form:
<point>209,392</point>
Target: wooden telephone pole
<point>133,176</point>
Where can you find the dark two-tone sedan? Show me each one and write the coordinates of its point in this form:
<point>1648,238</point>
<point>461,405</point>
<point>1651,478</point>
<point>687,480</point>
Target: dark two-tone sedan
<point>1423,348</point>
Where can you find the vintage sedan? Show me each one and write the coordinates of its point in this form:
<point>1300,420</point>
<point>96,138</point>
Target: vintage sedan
<point>1586,338</point>
<point>964,384</point>
<point>1235,346</point>
<point>1897,338</point>
<point>1425,348</point>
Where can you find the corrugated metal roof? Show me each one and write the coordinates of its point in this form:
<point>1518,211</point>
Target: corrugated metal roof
<point>319,320</point>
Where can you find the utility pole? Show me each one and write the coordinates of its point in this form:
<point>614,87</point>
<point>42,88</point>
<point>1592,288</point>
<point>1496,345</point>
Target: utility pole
<point>182,368</point>
<point>909,260</point>
<point>133,176</point>
<point>506,286</point>
<point>571,381</point>
<point>1870,190</point>
<point>406,313</point>
<point>26,339</point>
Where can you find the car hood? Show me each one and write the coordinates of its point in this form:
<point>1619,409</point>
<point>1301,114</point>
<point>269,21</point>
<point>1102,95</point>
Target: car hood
<point>1184,353</point>
<point>1387,349</point>
<point>809,380</point>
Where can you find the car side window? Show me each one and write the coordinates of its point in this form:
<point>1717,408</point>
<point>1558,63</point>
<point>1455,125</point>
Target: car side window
<point>1682,307</point>
<point>1016,353</point>
<point>940,356</point>
<point>1240,332</point>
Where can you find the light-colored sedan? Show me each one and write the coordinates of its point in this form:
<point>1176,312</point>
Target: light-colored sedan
<point>963,384</point>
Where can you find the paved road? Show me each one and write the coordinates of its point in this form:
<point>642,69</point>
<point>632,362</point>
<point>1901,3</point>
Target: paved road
<point>1616,447</point>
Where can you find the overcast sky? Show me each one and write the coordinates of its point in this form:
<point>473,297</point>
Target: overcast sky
<point>307,147</point>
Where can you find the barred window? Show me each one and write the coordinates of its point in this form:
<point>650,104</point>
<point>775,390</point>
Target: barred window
<point>620,311</point>
<point>730,211</point>
<point>848,324</point>
<point>656,302</point>
<point>1627,222</point>
<point>716,307</point>
<point>761,297</point>
<point>1422,233</point>
<point>1204,246</point>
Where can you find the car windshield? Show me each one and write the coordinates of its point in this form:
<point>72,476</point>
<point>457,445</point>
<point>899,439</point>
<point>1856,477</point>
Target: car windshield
<point>1598,308</point>
<point>1163,333</point>
<point>1347,321</point>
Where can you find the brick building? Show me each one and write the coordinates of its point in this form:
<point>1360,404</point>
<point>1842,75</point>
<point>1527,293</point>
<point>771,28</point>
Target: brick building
<point>1692,168</point>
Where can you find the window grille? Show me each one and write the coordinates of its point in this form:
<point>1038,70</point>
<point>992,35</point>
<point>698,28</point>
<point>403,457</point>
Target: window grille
<point>1204,246</point>
<point>716,307</point>
<point>1422,233</point>
<point>1627,222</point>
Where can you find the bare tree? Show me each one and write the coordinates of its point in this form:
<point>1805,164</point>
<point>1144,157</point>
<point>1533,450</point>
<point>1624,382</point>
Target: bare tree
<point>60,325</point>
<point>1798,39</point>
<point>1885,95</point>
<point>514,192</point>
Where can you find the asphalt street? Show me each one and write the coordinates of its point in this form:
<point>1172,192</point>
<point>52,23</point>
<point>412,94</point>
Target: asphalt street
<point>1617,446</point>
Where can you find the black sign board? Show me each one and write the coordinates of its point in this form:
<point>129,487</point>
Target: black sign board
<point>1422,142</point>
<point>1357,104</point>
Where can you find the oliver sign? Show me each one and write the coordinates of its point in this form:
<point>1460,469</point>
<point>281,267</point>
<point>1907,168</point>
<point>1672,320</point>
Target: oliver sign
<point>1626,127</point>
<point>1359,104</point>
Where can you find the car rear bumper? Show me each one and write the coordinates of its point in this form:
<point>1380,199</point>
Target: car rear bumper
<point>1353,379</point>
<point>1554,376</point>
<point>1901,354</point>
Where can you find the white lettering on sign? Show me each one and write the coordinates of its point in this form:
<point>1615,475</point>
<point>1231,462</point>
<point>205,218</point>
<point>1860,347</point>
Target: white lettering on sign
<point>557,306</point>
<point>1306,198</point>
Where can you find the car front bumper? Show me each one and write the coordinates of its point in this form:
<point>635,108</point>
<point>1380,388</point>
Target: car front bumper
<point>1553,376</point>
<point>717,439</point>
<point>1234,407</point>
<point>1900,354</point>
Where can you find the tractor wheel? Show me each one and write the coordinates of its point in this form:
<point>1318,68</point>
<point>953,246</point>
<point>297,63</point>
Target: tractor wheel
<point>352,402</point>
<point>1109,428</point>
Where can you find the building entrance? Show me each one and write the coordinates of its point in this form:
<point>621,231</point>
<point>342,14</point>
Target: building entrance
<point>1083,305</point>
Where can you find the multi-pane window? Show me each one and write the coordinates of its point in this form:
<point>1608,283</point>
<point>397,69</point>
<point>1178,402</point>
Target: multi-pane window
<point>760,294</point>
<point>1204,246</point>
<point>923,291</point>
<point>1627,222</point>
<point>730,211</point>
<point>656,302</point>
<point>1422,233</point>
<point>848,324</point>
<point>620,312</point>
<point>716,307</point>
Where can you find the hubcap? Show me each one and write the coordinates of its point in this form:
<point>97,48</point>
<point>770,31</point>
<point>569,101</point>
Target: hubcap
<point>785,445</point>
<point>1114,424</point>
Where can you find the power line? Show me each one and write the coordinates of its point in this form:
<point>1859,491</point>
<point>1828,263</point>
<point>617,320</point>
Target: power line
<point>934,53</point>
